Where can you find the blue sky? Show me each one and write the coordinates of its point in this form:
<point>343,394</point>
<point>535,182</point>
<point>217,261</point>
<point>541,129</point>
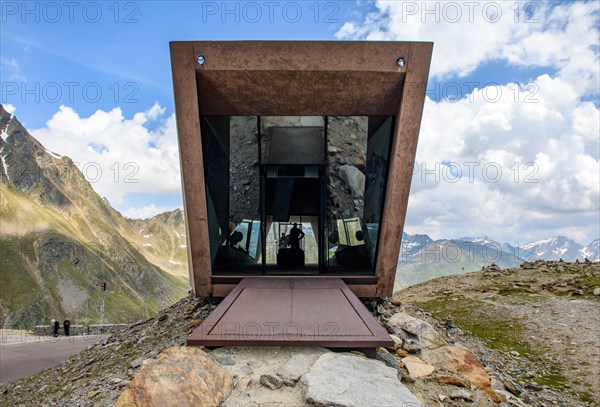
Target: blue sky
<point>512,83</point>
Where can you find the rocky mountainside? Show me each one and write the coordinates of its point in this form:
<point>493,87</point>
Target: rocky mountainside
<point>422,258</point>
<point>163,238</point>
<point>489,338</point>
<point>59,240</point>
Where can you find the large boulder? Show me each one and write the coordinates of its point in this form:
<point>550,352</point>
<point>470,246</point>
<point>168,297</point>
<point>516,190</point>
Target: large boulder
<point>411,330</point>
<point>182,376</point>
<point>344,380</point>
<point>463,361</point>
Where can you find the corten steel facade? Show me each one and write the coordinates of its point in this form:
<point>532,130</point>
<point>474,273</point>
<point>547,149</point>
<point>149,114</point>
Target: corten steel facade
<point>260,127</point>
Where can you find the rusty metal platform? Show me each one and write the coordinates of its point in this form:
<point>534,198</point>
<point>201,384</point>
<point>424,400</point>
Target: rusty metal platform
<point>291,312</point>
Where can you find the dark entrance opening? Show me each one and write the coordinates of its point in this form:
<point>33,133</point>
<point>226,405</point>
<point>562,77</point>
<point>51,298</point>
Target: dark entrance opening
<point>292,199</point>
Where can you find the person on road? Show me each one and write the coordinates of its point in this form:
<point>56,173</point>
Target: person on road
<point>66,326</point>
<point>56,327</point>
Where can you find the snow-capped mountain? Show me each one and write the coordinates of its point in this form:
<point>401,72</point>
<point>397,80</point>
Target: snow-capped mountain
<point>422,258</point>
<point>480,239</point>
<point>592,251</point>
<point>554,248</point>
<point>412,244</point>
<point>559,247</point>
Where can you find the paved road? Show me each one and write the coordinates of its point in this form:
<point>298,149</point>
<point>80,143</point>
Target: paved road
<point>25,358</point>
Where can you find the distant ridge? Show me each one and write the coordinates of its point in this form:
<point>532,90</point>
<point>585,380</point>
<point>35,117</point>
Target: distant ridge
<point>422,258</point>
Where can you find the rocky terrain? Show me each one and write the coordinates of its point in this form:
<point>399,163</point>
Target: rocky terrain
<point>537,325</point>
<point>59,240</point>
<point>520,337</point>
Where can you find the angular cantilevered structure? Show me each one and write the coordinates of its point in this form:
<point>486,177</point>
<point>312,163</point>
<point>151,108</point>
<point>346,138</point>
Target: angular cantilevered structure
<point>320,134</point>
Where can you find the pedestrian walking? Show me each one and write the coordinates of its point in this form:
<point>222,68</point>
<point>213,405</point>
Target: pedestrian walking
<point>67,326</point>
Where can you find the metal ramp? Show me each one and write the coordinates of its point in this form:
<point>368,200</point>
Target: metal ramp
<point>291,312</point>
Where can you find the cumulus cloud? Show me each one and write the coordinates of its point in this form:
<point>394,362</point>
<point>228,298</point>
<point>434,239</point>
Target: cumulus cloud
<point>508,168</point>
<point>118,155</point>
<point>512,161</point>
<point>147,211</point>
<point>469,34</point>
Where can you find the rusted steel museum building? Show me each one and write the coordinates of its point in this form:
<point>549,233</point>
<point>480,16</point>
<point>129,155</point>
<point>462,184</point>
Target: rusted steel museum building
<point>296,162</point>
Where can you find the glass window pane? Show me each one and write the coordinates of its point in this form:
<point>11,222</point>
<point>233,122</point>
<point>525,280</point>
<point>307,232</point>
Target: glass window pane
<point>231,169</point>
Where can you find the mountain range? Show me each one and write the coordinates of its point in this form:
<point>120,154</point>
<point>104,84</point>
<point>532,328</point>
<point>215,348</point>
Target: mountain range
<point>59,240</point>
<point>422,258</point>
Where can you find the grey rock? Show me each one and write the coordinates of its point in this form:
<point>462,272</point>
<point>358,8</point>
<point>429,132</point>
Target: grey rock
<point>271,381</point>
<point>512,387</point>
<point>224,360</point>
<point>409,328</point>
<point>137,362</point>
<point>461,394</point>
<point>295,367</point>
<point>338,379</point>
<point>389,359</point>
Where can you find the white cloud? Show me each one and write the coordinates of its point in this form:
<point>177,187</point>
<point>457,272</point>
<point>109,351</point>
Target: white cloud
<point>561,192</point>
<point>118,155</point>
<point>553,126</point>
<point>11,70</point>
<point>147,211</point>
<point>9,108</point>
<point>468,34</point>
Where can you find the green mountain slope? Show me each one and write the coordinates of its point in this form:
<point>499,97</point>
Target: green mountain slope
<point>59,240</point>
<point>162,238</point>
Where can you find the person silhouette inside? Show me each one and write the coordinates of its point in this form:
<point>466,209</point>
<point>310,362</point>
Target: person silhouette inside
<point>294,238</point>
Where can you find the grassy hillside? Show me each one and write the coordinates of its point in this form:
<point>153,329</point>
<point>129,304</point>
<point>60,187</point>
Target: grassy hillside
<point>51,267</point>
